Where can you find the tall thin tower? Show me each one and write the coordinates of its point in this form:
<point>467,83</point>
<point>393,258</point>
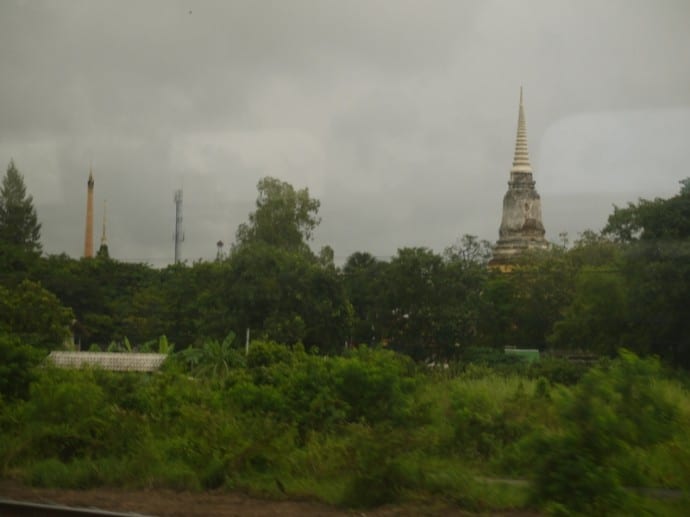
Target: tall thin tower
<point>179,235</point>
<point>88,235</point>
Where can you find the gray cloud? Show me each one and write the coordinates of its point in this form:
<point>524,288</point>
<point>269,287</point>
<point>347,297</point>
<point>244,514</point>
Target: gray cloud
<point>398,115</point>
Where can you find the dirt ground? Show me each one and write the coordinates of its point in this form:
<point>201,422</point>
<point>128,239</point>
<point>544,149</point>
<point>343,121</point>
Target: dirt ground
<point>223,504</point>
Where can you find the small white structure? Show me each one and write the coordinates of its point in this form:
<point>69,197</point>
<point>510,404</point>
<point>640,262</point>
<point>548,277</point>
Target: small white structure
<point>112,361</point>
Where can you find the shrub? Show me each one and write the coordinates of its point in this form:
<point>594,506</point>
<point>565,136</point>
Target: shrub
<point>374,385</point>
<point>378,474</point>
<point>55,474</point>
<point>67,415</point>
<point>267,353</point>
<point>489,413</point>
<point>16,366</point>
<point>611,410</point>
<point>557,370</point>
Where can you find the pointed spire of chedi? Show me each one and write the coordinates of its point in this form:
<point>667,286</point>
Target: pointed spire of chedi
<point>521,228</point>
<point>103,250</point>
<point>521,159</point>
<point>104,240</point>
<point>88,234</point>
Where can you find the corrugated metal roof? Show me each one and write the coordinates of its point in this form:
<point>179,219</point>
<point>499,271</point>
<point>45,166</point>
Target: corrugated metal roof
<point>113,361</point>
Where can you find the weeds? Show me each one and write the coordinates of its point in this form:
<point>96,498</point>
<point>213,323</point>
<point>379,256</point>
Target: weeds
<point>357,430</point>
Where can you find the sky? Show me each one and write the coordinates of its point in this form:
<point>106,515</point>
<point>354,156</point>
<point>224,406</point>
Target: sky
<point>399,116</point>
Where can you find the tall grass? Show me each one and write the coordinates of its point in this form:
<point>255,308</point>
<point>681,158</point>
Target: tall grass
<point>357,431</point>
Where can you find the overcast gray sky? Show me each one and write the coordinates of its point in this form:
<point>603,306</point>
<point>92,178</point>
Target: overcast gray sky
<point>399,116</point>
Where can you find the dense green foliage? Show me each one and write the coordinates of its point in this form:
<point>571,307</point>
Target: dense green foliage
<point>284,218</point>
<point>391,381</point>
<point>20,230</point>
<point>19,224</point>
<point>34,315</point>
<point>360,429</point>
<point>16,366</point>
<point>601,294</point>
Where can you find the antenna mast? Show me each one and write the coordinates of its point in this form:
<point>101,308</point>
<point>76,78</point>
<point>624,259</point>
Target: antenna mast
<point>179,235</point>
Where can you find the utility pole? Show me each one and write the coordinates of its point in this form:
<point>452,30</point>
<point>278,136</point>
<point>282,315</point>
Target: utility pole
<point>179,235</point>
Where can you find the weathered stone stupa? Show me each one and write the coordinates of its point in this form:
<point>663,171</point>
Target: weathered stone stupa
<point>521,226</point>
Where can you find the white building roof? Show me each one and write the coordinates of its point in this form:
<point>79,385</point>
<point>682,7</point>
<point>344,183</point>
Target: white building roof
<point>113,361</point>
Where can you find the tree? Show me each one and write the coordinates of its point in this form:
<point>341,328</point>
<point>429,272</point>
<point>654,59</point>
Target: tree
<point>521,307</point>
<point>614,411</point>
<point>658,281</point>
<point>16,363</point>
<point>593,249</point>
<point>19,225</point>
<point>648,220</point>
<point>412,299</point>
<point>284,217</point>
<point>469,251</point>
<point>34,315</point>
<point>215,358</point>
<point>466,278</point>
<point>285,296</point>
<point>420,303</point>
<point>363,279</point>
<point>597,318</point>
<point>684,186</point>
<point>109,298</point>
<point>657,272</point>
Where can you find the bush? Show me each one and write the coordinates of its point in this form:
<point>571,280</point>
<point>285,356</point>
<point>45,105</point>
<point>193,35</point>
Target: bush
<point>55,474</point>
<point>67,416</point>
<point>557,371</point>
<point>375,385</point>
<point>360,430</point>
<point>35,315</point>
<point>492,357</point>
<point>267,353</point>
<point>488,415</point>
<point>610,411</point>
<point>378,474</point>
<point>575,480</point>
<point>16,366</point>
<point>176,476</point>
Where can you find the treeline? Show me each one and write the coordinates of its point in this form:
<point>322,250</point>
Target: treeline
<point>626,287</point>
<point>322,415</point>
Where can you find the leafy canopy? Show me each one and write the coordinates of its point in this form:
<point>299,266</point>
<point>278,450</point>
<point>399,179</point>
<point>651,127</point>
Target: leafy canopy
<point>19,225</point>
<point>284,217</point>
<point>657,219</point>
<point>34,315</point>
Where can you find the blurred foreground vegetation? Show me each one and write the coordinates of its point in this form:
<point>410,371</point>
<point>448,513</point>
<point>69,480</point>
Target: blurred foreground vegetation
<point>389,383</point>
<point>361,429</point>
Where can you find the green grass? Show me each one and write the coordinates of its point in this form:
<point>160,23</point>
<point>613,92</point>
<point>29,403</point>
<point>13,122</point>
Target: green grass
<point>431,438</point>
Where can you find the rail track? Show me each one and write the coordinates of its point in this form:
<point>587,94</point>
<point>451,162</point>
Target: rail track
<point>13,508</point>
